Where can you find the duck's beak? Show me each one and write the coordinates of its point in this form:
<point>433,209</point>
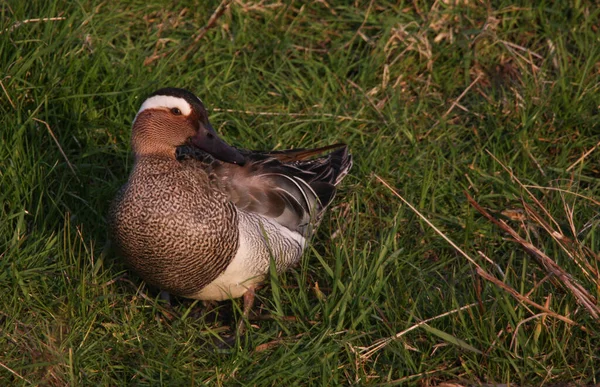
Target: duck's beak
<point>207,140</point>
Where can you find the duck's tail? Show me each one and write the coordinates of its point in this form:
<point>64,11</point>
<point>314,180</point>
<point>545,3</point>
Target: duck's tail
<point>323,173</point>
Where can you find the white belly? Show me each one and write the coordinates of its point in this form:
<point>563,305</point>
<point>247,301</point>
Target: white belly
<point>261,240</point>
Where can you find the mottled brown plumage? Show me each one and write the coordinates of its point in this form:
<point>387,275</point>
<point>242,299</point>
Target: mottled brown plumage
<point>173,229</point>
<point>201,219</point>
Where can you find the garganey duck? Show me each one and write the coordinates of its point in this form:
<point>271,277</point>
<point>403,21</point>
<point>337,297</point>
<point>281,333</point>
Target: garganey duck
<point>201,219</point>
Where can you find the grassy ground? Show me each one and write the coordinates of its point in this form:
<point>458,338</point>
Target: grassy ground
<point>433,98</point>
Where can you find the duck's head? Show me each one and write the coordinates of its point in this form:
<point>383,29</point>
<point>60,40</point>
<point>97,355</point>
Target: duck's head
<point>173,117</point>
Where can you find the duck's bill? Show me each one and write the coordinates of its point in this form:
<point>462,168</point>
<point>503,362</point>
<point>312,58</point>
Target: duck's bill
<point>207,140</point>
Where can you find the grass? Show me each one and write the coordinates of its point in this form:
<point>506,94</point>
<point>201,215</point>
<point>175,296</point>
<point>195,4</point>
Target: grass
<point>432,97</point>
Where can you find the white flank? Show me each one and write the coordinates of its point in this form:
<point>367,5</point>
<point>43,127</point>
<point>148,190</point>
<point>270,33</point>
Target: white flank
<point>166,101</point>
<point>251,263</point>
<point>235,280</point>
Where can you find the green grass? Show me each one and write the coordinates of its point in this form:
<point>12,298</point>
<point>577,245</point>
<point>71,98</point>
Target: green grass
<point>396,81</point>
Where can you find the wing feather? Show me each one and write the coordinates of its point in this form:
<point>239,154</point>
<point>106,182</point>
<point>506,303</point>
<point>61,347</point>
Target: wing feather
<point>292,187</point>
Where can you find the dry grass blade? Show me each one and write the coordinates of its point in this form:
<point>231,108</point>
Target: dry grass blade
<point>596,202</point>
<point>7,95</point>
<point>358,31</point>
<point>213,19</point>
<point>568,245</point>
<point>367,352</point>
<point>219,11</point>
<point>457,100</point>
<point>580,293</point>
<point>14,373</point>
<point>586,154</point>
<point>36,20</point>
<point>62,152</point>
<point>465,91</point>
<point>512,48</point>
<point>428,222</point>
<point>274,343</point>
<point>328,115</point>
<point>522,298</point>
<point>513,177</point>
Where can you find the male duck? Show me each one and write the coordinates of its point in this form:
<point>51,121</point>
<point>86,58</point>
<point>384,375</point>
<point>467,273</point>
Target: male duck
<point>201,219</point>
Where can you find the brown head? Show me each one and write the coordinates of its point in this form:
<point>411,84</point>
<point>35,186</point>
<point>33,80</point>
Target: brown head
<point>173,117</point>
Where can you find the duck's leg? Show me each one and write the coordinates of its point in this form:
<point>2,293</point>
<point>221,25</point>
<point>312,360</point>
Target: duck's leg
<point>248,303</point>
<point>166,297</point>
<point>228,341</point>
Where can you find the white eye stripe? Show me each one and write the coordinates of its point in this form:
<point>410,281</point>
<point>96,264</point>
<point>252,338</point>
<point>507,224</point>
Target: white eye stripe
<point>165,101</point>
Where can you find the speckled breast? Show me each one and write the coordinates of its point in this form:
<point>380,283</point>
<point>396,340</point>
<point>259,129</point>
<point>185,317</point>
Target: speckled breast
<point>172,230</point>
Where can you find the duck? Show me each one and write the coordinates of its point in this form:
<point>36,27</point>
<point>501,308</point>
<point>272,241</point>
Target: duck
<point>201,219</point>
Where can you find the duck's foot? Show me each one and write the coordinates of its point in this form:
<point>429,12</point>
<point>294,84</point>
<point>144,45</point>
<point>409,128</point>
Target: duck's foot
<point>224,342</point>
<point>227,341</point>
<point>166,297</point>
<point>166,306</point>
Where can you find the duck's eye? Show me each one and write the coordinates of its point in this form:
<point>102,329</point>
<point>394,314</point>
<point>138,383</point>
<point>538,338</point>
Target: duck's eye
<point>176,111</point>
